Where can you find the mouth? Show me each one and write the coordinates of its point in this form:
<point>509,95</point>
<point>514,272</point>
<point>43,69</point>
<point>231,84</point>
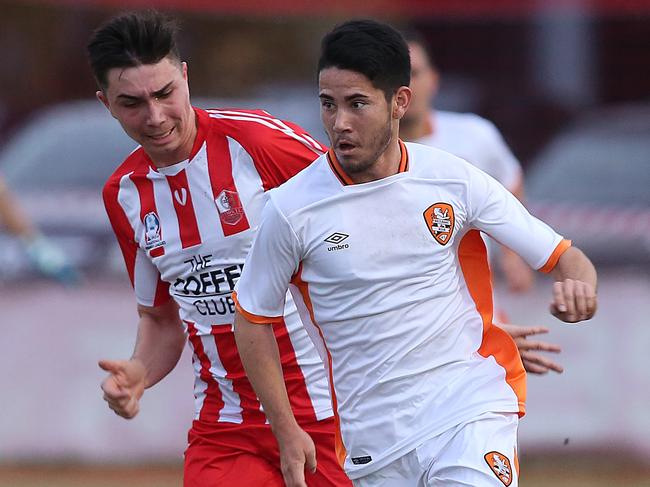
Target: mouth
<point>161,136</point>
<point>345,147</point>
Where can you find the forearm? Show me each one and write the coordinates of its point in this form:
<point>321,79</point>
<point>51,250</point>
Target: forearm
<point>160,341</point>
<point>258,350</point>
<point>574,264</point>
<point>15,221</point>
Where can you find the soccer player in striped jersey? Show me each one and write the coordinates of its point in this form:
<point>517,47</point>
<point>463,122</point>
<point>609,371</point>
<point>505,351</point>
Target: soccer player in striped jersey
<point>185,206</point>
<point>378,242</point>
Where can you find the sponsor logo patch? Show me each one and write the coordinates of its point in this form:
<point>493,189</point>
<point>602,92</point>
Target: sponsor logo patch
<point>229,207</point>
<point>152,232</point>
<point>439,218</point>
<point>336,238</point>
<point>500,465</point>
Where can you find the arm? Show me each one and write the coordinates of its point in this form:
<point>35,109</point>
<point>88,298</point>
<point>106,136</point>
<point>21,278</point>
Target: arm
<point>574,290</point>
<point>12,217</point>
<point>259,354</point>
<point>157,350</point>
<point>534,362</point>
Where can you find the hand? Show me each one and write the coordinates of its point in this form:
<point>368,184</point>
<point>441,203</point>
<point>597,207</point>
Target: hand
<point>297,453</point>
<point>518,274</point>
<point>573,300</point>
<point>124,386</point>
<point>534,363</point>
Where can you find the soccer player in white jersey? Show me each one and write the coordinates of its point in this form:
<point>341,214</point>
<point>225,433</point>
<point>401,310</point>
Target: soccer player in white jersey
<point>184,207</point>
<point>378,242</point>
<point>479,142</point>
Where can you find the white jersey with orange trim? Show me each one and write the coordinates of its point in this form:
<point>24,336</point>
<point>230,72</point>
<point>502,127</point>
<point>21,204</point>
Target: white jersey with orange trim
<point>185,231</point>
<point>476,140</point>
<point>392,282</point>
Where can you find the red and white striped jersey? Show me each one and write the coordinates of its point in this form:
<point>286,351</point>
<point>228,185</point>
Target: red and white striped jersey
<point>185,231</point>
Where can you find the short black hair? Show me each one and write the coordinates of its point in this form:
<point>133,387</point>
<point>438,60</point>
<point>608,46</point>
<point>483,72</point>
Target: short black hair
<point>371,48</point>
<point>131,39</point>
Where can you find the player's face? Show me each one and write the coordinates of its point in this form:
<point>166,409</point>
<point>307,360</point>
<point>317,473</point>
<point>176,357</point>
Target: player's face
<point>359,121</point>
<point>424,82</point>
<point>152,103</point>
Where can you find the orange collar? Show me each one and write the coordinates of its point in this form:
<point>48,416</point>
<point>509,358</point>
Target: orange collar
<point>346,180</point>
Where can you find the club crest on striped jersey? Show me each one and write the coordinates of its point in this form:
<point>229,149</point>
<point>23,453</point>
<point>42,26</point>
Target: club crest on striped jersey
<point>439,218</point>
<point>229,207</point>
<point>500,465</point>
<point>152,231</point>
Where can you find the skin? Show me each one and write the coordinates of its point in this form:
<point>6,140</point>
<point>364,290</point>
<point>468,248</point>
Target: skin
<point>350,107</point>
<point>152,104</point>
<point>362,125</point>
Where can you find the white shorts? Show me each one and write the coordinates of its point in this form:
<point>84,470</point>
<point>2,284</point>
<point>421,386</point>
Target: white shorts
<point>481,452</point>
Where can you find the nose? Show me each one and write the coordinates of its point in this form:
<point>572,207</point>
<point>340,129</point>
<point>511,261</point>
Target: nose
<point>155,114</point>
<point>341,121</point>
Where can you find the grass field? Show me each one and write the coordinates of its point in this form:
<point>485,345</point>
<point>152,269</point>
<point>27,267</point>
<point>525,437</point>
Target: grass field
<point>588,471</point>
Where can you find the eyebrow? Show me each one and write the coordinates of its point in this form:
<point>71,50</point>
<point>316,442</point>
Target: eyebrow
<point>155,94</point>
<point>347,98</point>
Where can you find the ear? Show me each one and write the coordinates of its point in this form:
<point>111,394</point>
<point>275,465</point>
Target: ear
<point>435,81</point>
<point>401,101</point>
<point>99,94</point>
<point>184,70</point>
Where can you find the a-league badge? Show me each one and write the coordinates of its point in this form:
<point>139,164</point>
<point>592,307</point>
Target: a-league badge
<point>439,218</point>
<point>229,206</point>
<point>152,232</point>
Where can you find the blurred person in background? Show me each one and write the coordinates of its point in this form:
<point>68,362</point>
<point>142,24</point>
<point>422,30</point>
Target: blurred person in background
<point>46,258</point>
<point>185,207</point>
<point>479,142</point>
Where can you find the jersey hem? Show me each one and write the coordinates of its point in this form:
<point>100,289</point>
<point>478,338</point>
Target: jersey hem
<point>411,443</point>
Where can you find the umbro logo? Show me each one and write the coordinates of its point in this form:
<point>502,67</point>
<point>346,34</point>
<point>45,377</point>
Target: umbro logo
<point>336,238</point>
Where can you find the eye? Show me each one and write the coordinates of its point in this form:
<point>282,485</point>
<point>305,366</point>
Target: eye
<point>326,104</point>
<point>164,95</point>
<point>358,104</point>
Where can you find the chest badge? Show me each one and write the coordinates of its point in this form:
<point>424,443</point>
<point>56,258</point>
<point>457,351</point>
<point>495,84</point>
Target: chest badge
<point>229,206</point>
<point>439,218</point>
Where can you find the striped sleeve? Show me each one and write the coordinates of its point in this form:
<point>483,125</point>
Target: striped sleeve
<point>150,289</point>
<point>279,149</point>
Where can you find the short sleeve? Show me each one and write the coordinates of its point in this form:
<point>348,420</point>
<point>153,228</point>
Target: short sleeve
<point>150,289</point>
<point>279,149</point>
<point>495,211</point>
<point>272,261</point>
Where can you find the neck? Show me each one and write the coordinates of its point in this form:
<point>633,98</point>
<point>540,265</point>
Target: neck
<point>415,128</point>
<point>387,163</point>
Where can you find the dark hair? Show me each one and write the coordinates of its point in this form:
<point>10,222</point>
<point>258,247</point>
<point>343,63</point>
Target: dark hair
<point>373,49</point>
<point>131,39</point>
<point>415,37</point>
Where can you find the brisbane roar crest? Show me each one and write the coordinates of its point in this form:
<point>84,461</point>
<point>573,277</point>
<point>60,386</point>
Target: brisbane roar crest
<point>500,465</point>
<point>439,218</point>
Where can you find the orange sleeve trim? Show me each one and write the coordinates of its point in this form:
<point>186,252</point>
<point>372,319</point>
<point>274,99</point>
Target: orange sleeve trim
<point>256,319</point>
<point>555,256</point>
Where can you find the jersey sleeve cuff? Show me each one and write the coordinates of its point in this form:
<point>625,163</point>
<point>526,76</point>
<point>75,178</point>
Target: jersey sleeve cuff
<point>555,256</point>
<point>253,318</point>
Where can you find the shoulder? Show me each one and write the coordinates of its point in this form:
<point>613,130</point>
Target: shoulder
<point>134,162</point>
<point>433,163</point>
<point>314,183</point>
<point>258,128</point>
<point>467,122</point>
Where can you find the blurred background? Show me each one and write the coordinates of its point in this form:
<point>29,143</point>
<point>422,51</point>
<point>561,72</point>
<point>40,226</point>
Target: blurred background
<point>566,82</point>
